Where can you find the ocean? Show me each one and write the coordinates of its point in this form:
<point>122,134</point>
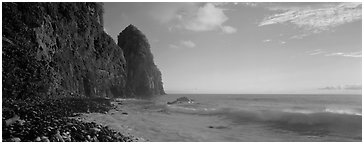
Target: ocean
<point>243,118</point>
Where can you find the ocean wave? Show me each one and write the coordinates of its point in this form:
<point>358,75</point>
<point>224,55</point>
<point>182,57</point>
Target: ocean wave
<point>192,109</point>
<point>264,114</point>
<point>342,121</point>
<point>344,111</point>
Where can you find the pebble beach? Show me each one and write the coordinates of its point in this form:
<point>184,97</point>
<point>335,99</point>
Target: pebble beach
<point>58,120</point>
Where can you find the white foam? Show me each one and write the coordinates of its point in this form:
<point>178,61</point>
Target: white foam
<point>298,111</point>
<point>342,111</point>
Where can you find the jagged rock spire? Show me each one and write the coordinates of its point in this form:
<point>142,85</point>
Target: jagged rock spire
<point>143,77</point>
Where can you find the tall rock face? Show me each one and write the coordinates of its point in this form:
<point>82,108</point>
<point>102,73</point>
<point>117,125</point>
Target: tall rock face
<point>53,48</point>
<point>143,76</point>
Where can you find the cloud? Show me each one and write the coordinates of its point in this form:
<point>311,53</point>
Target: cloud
<point>198,18</point>
<point>276,41</point>
<point>350,54</point>
<point>342,87</point>
<point>315,19</point>
<point>343,54</point>
<point>251,4</point>
<point>330,88</point>
<point>300,36</point>
<point>353,87</point>
<point>315,52</point>
<point>166,12</point>
<point>267,40</point>
<point>207,18</point>
<point>188,44</point>
<point>183,44</point>
<point>172,46</point>
<point>228,29</point>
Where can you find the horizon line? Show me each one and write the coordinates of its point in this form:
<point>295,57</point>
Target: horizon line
<point>167,93</point>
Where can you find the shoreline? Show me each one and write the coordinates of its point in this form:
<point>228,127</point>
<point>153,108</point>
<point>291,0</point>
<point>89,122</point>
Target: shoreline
<point>107,120</point>
<point>55,120</point>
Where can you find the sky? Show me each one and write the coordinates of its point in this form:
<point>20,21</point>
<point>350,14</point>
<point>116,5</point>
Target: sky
<point>249,47</point>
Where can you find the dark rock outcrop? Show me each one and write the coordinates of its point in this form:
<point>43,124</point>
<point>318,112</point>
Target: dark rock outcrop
<point>143,76</point>
<point>59,47</point>
<point>52,49</point>
<point>182,100</point>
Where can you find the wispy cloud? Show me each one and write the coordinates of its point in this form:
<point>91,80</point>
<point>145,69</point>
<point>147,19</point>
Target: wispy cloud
<point>183,44</point>
<point>267,40</point>
<point>252,4</point>
<point>300,36</point>
<point>342,87</point>
<point>350,54</point>
<point>315,52</point>
<point>276,41</point>
<point>343,54</point>
<point>353,87</point>
<point>188,44</point>
<point>315,19</point>
<point>197,17</point>
<point>172,46</point>
<point>229,29</point>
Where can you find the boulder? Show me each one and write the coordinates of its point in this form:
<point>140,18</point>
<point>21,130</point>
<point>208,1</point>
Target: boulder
<point>182,100</point>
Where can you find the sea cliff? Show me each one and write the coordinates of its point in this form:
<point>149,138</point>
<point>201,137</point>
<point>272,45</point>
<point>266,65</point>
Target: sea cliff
<point>61,48</point>
<point>143,76</point>
<point>58,62</point>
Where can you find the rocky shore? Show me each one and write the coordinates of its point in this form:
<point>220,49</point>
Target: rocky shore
<point>52,120</point>
<point>56,59</point>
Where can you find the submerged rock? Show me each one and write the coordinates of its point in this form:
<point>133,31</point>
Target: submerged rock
<point>218,127</point>
<point>182,100</point>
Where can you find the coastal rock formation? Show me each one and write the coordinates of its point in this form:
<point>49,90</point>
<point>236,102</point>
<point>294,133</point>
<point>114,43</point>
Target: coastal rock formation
<point>143,76</point>
<point>58,62</point>
<point>52,49</point>
<point>182,100</point>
